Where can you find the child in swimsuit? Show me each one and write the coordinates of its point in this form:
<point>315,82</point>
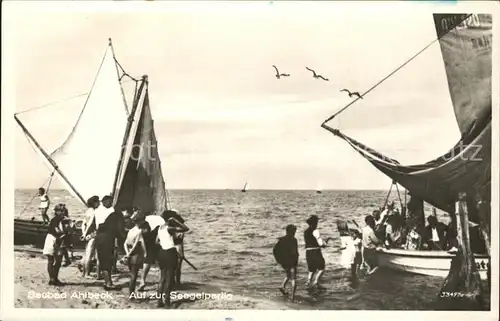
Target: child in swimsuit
<point>44,205</point>
<point>135,251</point>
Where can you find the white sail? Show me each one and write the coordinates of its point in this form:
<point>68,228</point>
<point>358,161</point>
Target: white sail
<point>245,188</point>
<point>89,157</point>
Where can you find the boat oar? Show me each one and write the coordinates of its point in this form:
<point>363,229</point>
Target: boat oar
<point>190,264</point>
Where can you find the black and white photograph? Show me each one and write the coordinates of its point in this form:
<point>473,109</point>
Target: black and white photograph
<point>249,156</point>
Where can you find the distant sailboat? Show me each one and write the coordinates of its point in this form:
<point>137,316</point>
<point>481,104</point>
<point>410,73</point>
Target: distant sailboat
<point>318,190</point>
<point>245,188</point>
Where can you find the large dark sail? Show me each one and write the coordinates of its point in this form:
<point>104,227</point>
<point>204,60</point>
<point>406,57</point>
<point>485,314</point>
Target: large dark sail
<point>466,51</point>
<point>142,184</point>
<point>466,47</point>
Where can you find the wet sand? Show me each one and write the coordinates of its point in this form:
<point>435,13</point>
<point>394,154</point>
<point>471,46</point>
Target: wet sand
<point>31,282</point>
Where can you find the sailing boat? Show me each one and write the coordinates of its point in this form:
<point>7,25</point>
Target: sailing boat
<point>466,47</point>
<point>245,188</point>
<point>128,166</point>
<point>319,190</point>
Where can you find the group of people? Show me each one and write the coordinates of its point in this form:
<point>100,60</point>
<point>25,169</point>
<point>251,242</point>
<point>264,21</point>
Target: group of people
<point>145,239</point>
<point>383,228</point>
<point>287,255</point>
<point>392,230</point>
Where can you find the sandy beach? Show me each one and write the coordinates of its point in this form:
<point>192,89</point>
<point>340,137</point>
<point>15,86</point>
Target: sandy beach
<point>32,291</point>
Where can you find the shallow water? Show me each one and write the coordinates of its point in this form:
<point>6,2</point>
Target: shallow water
<point>232,235</point>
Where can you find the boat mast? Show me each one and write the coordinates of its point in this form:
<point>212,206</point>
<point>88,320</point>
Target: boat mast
<point>117,65</point>
<point>47,156</point>
<point>126,136</point>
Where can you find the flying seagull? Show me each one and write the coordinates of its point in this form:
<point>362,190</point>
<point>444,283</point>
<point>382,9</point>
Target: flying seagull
<point>278,75</point>
<point>316,75</point>
<point>352,93</point>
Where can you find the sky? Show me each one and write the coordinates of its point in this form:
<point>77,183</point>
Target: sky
<point>221,117</point>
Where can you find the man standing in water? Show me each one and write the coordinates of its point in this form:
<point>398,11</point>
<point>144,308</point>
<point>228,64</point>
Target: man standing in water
<point>370,243</point>
<point>287,255</point>
<point>314,257</point>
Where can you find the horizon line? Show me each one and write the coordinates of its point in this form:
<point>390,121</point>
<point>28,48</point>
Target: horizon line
<point>237,189</point>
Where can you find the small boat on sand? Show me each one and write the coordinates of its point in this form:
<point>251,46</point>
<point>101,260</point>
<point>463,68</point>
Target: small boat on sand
<point>33,232</point>
<point>433,263</point>
<point>132,177</point>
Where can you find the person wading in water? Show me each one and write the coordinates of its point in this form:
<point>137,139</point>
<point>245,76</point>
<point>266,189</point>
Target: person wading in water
<point>370,243</point>
<point>109,229</point>
<point>88,234</point>
<point>314,257</point>
<point>286,254</point>
<point>167,257</point>
<point>44,205</point>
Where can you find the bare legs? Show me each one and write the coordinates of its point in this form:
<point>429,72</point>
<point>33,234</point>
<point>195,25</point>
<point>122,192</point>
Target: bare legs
<point>89,252</point>
<point>290,276</point>
<point>45,217</point>
<point>145,271</point>
<point>165,286</point>
<point>134,266</point>
<point>317,275</point>
<point>53,266</point>
<point>178,270</point>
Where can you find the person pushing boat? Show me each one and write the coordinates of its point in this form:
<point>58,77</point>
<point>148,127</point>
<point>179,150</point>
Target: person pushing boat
<point>154,222</point>
<point>109,228</point>
<point>178,241</point>
<point>370,243</point>
<point>52,245</point>
<point>88,234</point>
<point>135,250</point>
<point>167,257</point>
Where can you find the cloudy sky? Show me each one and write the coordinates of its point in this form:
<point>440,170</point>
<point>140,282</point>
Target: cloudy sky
<point>221,116</point>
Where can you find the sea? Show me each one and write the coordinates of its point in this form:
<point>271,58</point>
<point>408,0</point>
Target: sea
<point>232,235</point>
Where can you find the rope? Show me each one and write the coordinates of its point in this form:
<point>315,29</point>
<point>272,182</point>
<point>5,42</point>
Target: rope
<point>393,72</point>
<point>399,196</point>
<point>388,194</point>
<point>124,73</point>
<point>49,180</point>
<point>59,101</point>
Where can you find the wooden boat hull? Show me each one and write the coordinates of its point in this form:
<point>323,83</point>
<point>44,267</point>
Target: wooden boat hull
<point>34,233</point>
<point>433,263</point>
